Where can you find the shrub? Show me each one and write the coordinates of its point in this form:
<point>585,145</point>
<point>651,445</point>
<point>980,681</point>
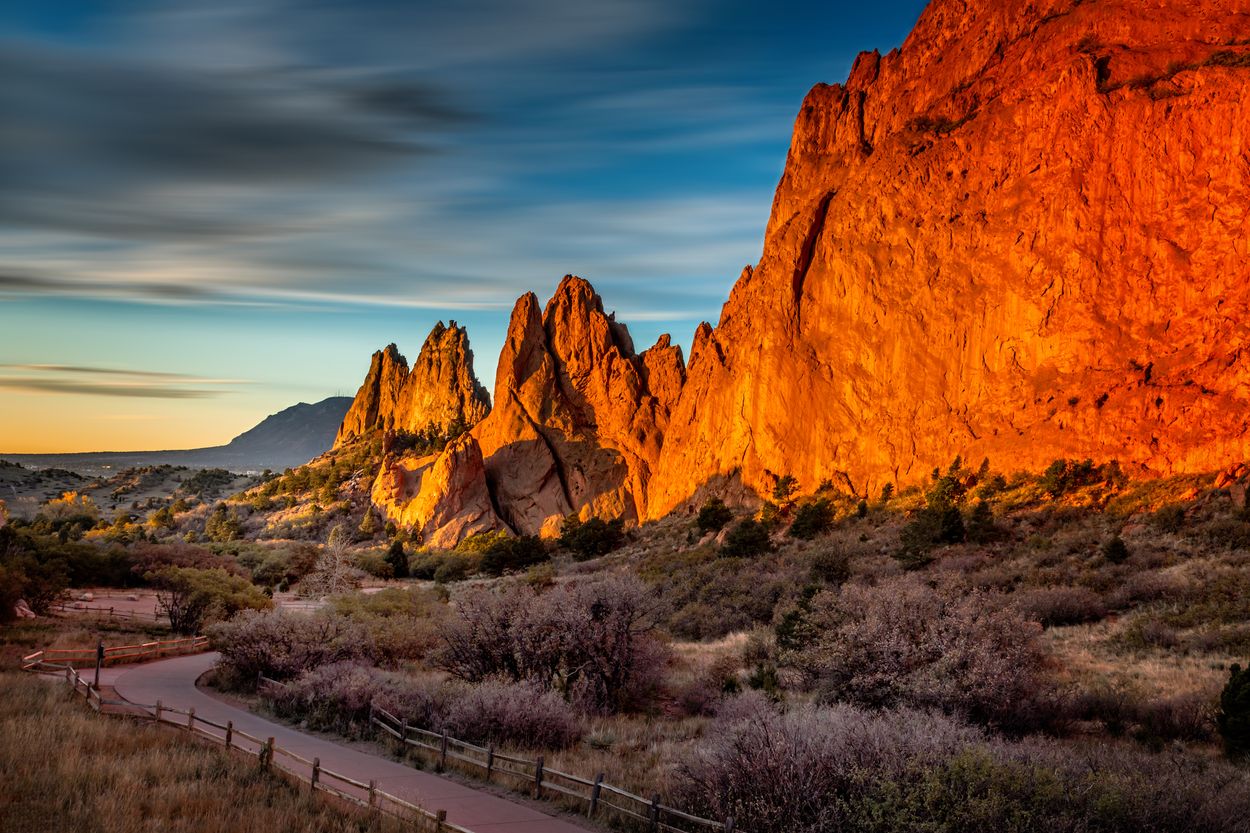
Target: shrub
<point>1063,476</point>
<point>150,558</point>
<point>480,542</point>
<point>1115,550</point>
<point>904,642</point>
<point>831,564</point>
<point>1169,519</point>
<point>1186,716</point>
<point>808,769</point>
<point>749,537</point>
<point>708,601</point>
<point>508,554</point>
<point>334,697</point>
<point>928,528</point>
<point>594,642</point>
<point>282,645</point>
<point>514,714</point>
<point>192,598</point>
<point>11,584</point>
<point>223,524</point>
<point>40,583</point>
<point>1233,719</point>
<point>812,518</point>
<point>374,563</point>
<point>401,623</point>
<point>591,538</point>
<point>456,567</point>
<point>785,488</point>
<point>1060,605</point>
<point>713,516</point>
<point>811,770</point>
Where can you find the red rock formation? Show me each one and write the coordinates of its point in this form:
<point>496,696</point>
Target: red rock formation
<point>441,497</point>
<point>374,405</point>
<point>1024,235</point>
<point>577,425</point>
<point>440,390</point>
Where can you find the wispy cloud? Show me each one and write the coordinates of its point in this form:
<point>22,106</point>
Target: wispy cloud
<point>112,381</point>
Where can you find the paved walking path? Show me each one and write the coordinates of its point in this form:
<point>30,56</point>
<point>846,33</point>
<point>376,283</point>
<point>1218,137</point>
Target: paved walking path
<point>172,681</point>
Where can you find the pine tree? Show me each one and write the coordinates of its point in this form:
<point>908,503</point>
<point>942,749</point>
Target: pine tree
<point>1234,717</point>
<point>398,559</point>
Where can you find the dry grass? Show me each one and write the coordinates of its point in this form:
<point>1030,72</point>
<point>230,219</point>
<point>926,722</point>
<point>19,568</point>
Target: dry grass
<point>64,768</point>
<point>1089,655</point>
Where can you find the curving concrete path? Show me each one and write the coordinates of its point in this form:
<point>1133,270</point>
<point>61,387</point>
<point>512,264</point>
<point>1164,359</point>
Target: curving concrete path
<point>172,682</point>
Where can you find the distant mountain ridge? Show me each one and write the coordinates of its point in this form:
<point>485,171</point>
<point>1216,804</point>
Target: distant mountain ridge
<point>289,438</point>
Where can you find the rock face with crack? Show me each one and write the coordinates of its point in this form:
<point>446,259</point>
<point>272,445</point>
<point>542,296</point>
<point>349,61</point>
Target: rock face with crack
<point>579,417</point>
<point>1022,235</point>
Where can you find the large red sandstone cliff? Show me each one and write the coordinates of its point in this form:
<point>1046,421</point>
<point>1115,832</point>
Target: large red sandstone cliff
<point>1024,235</point>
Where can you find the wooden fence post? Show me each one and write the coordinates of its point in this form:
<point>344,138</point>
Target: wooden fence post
<point>442,751</point>
<point>229,732</point>
<point>266,754</point>
<point>191,719</point>
<point>373,793</point>
<point>316,773</point>
<point>156,716</point>
<point>439,818</point>
<point>729,825</point>
<point>594,795</point>
<point>653,814</point>
<point>538,778</point>
<point>490,759</point>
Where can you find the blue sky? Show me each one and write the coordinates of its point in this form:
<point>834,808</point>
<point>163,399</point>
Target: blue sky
<point>210,211</point>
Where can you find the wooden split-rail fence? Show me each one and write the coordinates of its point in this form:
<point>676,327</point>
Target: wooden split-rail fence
<point>269,755</point>
<point>597,798</point>
<point>64,657</point>
<point>112,612</point>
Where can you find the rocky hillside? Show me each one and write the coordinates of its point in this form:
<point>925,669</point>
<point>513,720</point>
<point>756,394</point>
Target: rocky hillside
<point>439,392</point>
<point>1024,235</point>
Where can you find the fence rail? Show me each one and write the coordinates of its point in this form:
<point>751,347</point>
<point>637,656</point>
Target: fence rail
<point>598,797</point>
<point>66,657</point>
<point>365,795</point>
<point>110,612</point>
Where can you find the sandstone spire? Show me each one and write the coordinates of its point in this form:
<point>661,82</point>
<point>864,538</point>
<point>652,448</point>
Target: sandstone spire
<point>576,425</point>
<point>440,390</point>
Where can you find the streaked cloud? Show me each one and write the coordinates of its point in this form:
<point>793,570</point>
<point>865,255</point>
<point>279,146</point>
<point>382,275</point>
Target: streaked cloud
<point>111,381</point>
<point>306,180</point>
